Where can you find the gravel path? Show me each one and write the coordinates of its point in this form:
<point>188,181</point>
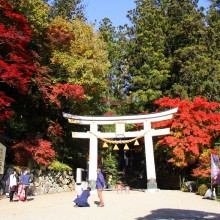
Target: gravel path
<point>162,205</point>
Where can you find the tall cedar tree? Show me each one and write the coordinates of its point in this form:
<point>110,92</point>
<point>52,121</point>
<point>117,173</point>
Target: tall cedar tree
<point>115,40</point>
<point>147,64</point>
<point>191,63</point>
<point>67,9</point>
<point>213,52</point>
<point>173,50</point>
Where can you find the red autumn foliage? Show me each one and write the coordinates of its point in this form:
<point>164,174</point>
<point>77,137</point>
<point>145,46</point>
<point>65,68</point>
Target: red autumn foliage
<point>59,38</point>
<point>67,90</point>
<point>16,66</point>
<point>36,149</point>
<point>54,130</point>
<point>204,167</point>
<point>109,113</point>
<point>194,130</point>
<point>52,92</point>
<point>5,102</point>
<point>21,72</point>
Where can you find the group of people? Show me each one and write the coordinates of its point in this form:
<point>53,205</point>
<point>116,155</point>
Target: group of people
<point>82,200</point>
<point>19,186</point>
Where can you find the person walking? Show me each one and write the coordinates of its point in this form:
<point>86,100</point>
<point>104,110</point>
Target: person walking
<point>100,185</point>
<point>25,180</point>
<point>13,184</point>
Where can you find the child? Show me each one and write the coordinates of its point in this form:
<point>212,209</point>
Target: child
<point>82,200</point>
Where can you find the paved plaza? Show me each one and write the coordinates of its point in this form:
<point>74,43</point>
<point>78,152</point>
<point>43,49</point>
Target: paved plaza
<point>139,205</point>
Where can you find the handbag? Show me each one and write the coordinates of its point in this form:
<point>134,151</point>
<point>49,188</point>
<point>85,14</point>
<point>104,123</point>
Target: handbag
<point>13,188</point>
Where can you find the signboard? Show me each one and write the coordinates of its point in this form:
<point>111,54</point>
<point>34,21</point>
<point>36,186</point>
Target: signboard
<point>215,169</point>
<point>2,158</point>
<point>120,129</point>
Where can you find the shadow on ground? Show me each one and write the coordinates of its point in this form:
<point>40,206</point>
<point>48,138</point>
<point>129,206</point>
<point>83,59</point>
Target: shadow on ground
<point>28,200</point>
<point>179,214</point>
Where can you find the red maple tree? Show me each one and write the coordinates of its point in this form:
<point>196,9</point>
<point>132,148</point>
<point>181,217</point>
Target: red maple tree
<point>21,73</point>
<point>194,131</point>
<point>20,66</point>
<point>35,149</point>
<point>16,66</point>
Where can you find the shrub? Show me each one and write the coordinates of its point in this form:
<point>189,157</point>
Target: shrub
<point>58,166</point>
<point>202,189</point>
<point>184,188</point>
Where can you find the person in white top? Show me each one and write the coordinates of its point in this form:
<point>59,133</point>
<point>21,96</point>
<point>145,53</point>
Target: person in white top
<point>13,183</point>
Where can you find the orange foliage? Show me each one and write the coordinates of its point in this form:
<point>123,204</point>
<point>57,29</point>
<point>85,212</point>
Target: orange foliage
<point>194,130</point>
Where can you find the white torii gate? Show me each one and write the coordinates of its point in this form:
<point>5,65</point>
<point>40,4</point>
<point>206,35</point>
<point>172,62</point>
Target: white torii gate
<point>120,132</point>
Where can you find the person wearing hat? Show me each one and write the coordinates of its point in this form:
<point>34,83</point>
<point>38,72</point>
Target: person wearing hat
<point>100,185</point>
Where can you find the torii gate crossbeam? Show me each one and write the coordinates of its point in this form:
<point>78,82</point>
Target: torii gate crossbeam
<point>120,122</point>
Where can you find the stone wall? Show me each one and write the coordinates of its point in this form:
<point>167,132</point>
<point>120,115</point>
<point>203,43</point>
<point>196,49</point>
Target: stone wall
<point>43,182</point>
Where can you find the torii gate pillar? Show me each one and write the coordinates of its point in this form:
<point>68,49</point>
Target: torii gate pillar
<point>93,153</point>
<point>149,155</point>
<point>119,122</point>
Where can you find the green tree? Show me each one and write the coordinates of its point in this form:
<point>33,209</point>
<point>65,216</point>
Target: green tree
<point>172,51</point>
<point>186,49</point>
<point>36,12</point>
<point>84,62</point>
<point>116,44</point>
<point>147,64</point>
<point>67,9</point>
<point>212,40</point>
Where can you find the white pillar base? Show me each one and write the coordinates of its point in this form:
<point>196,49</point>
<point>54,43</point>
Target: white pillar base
<point>152,190</point>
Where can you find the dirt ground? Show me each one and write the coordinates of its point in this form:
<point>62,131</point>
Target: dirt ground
<point>162,205</point>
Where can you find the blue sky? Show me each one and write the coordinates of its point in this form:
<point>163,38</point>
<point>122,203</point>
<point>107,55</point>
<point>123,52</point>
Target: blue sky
<point>115,10</point>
